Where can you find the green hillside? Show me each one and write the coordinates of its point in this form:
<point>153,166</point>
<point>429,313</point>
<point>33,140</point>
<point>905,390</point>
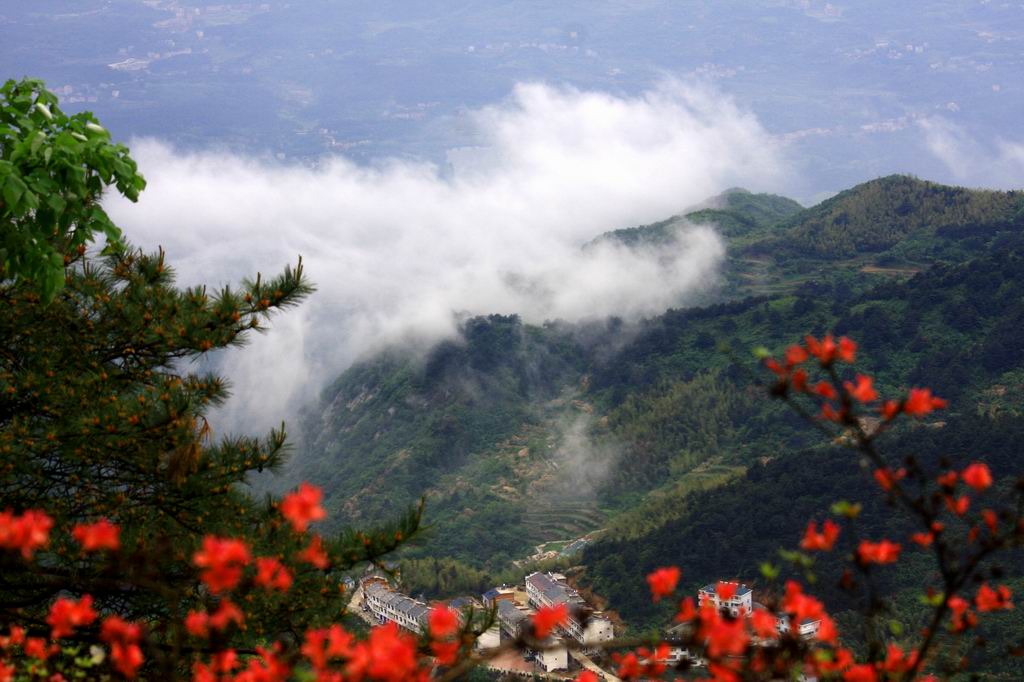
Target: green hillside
<point>910,219</point>
<point>736,213</point>
<point>520,434</point>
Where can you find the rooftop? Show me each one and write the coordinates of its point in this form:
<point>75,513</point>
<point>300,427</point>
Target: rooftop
<point>741,590</point>
<point>555,592</point>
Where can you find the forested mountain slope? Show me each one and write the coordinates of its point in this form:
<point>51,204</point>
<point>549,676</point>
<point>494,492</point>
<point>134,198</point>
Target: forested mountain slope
<point>519,434</point>
<point>945,329</point>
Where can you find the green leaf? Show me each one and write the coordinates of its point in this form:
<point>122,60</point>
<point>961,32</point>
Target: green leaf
<point>56,203</point>
<point>770,571</point>
<point>850,510</point>
<point>14,188</point>
<point>896,628</point>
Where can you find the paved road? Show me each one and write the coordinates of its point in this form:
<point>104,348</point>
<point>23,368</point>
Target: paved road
<point>585,661</point>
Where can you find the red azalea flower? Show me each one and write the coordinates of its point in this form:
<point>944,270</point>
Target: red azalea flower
<point>663,581</point>
<point>303,507</point>
<point>26,533</point>
<point>765,624</point>
<point>547,618</point>
<point>66,615</point>
<point>923,539</point>
<point>226,614</point>
<point>886,477</point>
<point>883,552</point>
<point>123,638</point>
<point>863,390</point>
<point>921,401</point>
<point>222,561</point>
<point>443,622</point>
<point>272,574</point>
<point>99,536</point>
<point>959,505</point>
<point>315,554</point>
<point>978,476</point>
<point>988,599</point>
<point>823,541</point>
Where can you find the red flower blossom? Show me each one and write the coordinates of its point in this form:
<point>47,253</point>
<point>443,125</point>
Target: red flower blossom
<point>978,476</point>
<point>586,676</point>
<point>827,351</point>
<point>548,618</point>
<point>889,410</point>
<point>796,355</point>
<point>923,539</point>
<point>315,554</point>
<point>948,479</point>
<point>123,638</point>
<point>443,622</point>
<point>883,552</point>
<point>446,653</point>
<point>663,581</point>
<point>863,390</point>
<point>799,380</point>
<point>66,615</point>
<point>823,541</point>
<point>26,533</point>
<point>226,614</point>
<point>988,599</point>
<point>36,647</point>
<point>825,390</point>
<point>303,507</point>
<point>726,590</point>
<point>387,655</point>
<point>921,401</point>
<point>687,611</point>
<point>959,505</point>
<point>827,631</point>
<point>272,574</point>
<point>96,537</point>
<point>197,623</point>
<point>765,624</point>
<point>326,643</point>
<point>963,617</point>
<point>727,638</point>
<point>801,606</point>
<point>991,520</point>
<point>222,561</point>
<point>829,413</point>
<point>886,477</point>
<point>15,638</point>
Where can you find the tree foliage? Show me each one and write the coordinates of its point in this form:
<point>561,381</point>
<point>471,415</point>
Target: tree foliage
<point>53,171</point>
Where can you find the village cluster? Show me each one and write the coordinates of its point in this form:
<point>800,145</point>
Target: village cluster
<point>573,646</point>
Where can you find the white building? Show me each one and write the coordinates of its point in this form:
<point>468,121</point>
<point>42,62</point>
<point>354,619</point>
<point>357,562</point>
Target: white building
<point>553,657</point>
<point>739,604</point>
<point>550,589</point>
<point>390,606</point>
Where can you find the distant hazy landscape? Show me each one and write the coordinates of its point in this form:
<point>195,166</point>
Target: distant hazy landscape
<point>856,89</point>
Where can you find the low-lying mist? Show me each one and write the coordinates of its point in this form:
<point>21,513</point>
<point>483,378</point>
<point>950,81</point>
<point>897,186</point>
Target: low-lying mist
<point>400,248</point>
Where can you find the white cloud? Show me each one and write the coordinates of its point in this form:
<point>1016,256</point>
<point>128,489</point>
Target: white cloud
<point>995,164</point>
<point>395,249</point>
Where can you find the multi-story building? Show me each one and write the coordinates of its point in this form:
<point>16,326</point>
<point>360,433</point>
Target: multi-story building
<point>739,604</point>
<point>550,589</point>
<point>390,606</point>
